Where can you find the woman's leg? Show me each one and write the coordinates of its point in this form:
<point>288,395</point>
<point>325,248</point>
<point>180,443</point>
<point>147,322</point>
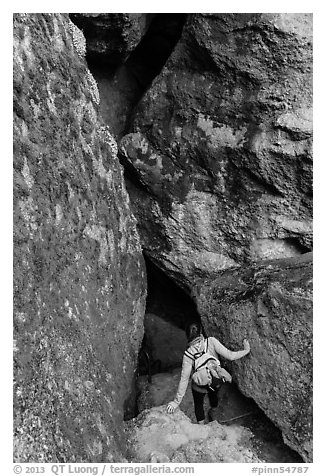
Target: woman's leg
<point>213,401</point>
<point>199,405</point>
<point>213,397</point>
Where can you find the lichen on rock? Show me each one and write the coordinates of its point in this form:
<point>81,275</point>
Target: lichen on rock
<point>71,262</point>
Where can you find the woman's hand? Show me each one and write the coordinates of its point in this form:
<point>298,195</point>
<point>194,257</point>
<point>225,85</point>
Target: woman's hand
<point>171,407</point>
<point>246,345</point>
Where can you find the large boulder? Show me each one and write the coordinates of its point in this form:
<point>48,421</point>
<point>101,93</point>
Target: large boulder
<point>219,154</point>
<point>79,276</point>
<point>270,304</point>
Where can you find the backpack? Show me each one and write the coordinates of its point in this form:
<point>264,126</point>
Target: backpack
<point>207,369</point>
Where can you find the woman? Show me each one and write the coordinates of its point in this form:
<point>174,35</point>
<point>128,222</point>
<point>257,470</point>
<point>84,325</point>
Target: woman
<point>196,344</point>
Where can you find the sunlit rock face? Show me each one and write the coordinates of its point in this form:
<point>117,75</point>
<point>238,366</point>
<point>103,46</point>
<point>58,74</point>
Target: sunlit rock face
<point>79,276</point>
<point>219,150</point>
<point>270,304</point>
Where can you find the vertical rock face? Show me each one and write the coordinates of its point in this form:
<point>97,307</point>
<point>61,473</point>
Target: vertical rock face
<point>76,254</point>
<point>219,151</point>
<point>271,306</point>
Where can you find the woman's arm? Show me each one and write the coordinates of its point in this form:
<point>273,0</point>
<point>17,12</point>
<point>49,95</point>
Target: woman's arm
<point>229,354</point>
<point>183,384</point>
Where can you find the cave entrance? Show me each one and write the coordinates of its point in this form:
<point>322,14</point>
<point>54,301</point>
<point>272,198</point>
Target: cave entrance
<point>168,311</point>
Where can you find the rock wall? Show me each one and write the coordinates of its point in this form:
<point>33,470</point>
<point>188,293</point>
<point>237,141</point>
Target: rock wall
<point>270,304</point>
<point>219,151</point>
<point>79,276</point>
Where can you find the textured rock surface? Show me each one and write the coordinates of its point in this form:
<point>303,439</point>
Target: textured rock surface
<point>219,152</point>
<point>123,78</point>
<point>266,439</point>
<point>111,36</point>
<point>271,305</point>
<point>219,168</point>
<point>157,436</point>
<point>166,341</point>
<point>76,253</point>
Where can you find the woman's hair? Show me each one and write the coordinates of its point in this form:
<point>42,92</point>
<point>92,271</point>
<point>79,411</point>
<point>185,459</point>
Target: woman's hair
<point>193,330</point>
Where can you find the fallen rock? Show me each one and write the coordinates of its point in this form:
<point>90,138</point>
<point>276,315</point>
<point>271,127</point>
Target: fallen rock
<point>76,252</point>
<point>270,304</point>
<point>157,437</point>
<point>219,152</point>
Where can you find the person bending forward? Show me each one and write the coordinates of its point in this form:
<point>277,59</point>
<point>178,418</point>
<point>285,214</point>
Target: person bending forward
<point>196,343</point>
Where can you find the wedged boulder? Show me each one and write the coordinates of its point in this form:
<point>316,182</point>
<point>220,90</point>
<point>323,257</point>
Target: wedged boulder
<point>111,36</point>
<point>125,52</point>
<point>79,275</point>
<point>157,437</point>
<point>270,304</point>
<point>165,341</point>
<point>219,153</point>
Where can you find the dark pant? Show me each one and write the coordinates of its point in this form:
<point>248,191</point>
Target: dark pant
<point>199,401</point>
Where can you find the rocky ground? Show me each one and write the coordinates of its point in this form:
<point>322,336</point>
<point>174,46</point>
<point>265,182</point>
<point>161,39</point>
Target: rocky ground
<point>155,436</point>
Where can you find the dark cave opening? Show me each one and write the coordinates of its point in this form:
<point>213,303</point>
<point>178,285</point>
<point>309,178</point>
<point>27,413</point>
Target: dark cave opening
<point>168,300</point>
<point>296,243</point>
<point>168,310</point>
